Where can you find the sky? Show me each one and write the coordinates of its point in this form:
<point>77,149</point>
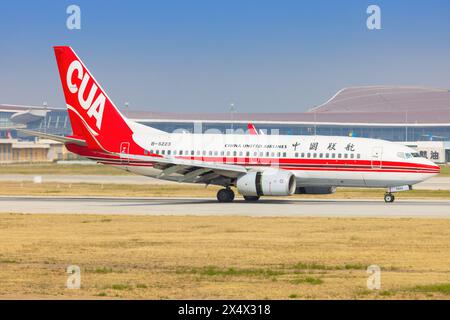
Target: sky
<point>204,55</point>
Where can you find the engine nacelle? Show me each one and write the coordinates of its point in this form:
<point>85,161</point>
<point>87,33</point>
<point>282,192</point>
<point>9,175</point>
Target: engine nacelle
<point>271,182</point>
<point>315,190</point>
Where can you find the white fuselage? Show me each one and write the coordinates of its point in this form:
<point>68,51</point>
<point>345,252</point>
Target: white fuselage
<point>314,160</point>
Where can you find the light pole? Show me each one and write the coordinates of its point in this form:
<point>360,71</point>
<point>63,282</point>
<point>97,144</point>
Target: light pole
<point>406,125</point>
<point>45,116</point>
<point>232,110</point>
<point>127,105</point>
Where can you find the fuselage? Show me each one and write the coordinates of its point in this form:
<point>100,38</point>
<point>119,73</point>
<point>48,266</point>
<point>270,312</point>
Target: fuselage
<point>314,160</point>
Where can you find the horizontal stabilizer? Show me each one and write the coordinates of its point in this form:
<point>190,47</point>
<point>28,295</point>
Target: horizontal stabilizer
<point>62,139</point>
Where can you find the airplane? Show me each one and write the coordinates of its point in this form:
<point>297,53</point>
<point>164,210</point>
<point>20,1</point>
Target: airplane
<point>255,164</point>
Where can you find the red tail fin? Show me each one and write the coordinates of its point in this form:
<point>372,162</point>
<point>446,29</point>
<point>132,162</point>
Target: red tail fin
<point>252,129</point>
<point>92,114</point>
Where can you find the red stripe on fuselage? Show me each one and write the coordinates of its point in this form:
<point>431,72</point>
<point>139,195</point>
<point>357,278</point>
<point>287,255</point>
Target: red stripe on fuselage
<point>283,163</point>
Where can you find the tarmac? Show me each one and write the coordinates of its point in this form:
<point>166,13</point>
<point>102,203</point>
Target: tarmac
<point>202,207</point>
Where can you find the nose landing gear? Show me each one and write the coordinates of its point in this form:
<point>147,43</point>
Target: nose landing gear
<point>225,195</point>
<point>389,197</point>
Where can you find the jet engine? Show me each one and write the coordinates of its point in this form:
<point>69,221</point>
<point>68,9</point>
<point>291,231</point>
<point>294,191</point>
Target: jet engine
<point>271,182</point>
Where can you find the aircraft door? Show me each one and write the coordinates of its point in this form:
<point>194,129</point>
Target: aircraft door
<point>124,151</point>
<point>377,157</point>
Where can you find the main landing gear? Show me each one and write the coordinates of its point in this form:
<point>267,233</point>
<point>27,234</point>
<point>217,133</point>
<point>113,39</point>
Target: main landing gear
<point>389,197</point>
<point>225,195</point>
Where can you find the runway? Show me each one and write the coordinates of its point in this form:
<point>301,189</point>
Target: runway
<point>435,183</point>
<point>202,207</point>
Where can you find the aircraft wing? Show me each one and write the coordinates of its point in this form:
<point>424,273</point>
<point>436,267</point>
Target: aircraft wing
<point>183,170</point>
<point>62,139</point>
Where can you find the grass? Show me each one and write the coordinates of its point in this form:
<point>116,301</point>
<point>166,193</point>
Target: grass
<point>61,169</point>
<point>169,257</point>
<point>445,170</point>
<point>318,266</point>
<point>308,280</point>
<point>7,261</point>
<point>443,288</point>
<point>103,270</point>
<point>184,190</point>
<point>121,287</point>
<point>236,272</point>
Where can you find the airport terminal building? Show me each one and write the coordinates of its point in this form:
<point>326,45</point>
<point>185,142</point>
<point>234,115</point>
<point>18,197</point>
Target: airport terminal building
<point>417,117</point>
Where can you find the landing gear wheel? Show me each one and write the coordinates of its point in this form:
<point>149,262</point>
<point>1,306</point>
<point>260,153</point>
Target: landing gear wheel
<point>251,198</point>
<point>225,195</point>
<point>389,197</point>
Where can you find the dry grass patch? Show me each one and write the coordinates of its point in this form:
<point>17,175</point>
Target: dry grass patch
<point>166,257</point>
<point>65,169</point>
<point>186,190</point>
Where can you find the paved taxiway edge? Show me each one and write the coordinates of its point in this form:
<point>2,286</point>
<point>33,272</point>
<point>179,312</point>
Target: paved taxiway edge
<point>184,206</point>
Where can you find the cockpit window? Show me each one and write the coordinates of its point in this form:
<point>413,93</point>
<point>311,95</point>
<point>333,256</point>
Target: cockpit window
<point>408,155</point>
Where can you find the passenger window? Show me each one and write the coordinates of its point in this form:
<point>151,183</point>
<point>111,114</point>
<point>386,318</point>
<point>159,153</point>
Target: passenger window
<point>151,151</point>
<point>278,154</point>
<point>284,154</point>
<point>327,155</point>
<point>339,155</point>
<point>267,154</point>
<point>222,153</point>
<point>352,155</point>
<point>168,152</point>
<point>309,155</point>
<point>314,155</point>
<point>247,154</point>
<point>181,152</point>
<point>333,155</point>
<point>157,151</point>
<point>204,152</point>
<point>321,155</point>
<point>228,153</point>
<point>296,154</point>
<point>210,153</point>
<point>216,153</point>
<point>345,155</point>
<point>234,153</point>
<point>358,156</point>
<point>303,154</point>
<point>192,152</point>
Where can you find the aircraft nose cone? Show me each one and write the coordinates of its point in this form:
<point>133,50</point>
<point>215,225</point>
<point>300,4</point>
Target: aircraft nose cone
<point>434,166</point>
